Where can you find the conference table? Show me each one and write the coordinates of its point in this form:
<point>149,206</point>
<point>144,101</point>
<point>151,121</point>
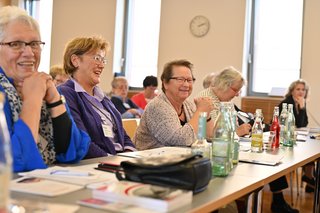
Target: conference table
<point>244,180</point>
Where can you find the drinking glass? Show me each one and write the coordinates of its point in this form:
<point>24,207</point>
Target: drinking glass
<point>5,160</point>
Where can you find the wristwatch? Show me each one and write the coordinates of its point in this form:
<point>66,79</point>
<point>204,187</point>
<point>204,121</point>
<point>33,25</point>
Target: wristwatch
<point>57,103</point>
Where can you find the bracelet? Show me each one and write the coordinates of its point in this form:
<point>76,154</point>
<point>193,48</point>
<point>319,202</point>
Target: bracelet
<point>54,104</point>
<point>209,119</point>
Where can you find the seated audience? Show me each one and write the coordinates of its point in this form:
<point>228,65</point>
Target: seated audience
<point>297,95</point>
<point>84,61</point>
<point>119,98</point>
<point>41,128</point>
<point>150,84</point>
<point>170,118</point>
<point>226,85</point>
<point>58,75</point>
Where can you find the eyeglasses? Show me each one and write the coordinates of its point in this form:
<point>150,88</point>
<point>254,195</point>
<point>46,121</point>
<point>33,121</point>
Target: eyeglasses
<point>181,80</point>
<point>21,45</point>
<point>236,91</point>
<point>100,59</point>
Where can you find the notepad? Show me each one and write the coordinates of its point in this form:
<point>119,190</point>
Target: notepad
<point>260,158</point>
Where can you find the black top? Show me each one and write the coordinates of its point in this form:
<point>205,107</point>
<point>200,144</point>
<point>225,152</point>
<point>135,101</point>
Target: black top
<point>300,115</point>
<point>117,101</point>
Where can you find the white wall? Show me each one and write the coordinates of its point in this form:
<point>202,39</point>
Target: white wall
<point>221,47</point>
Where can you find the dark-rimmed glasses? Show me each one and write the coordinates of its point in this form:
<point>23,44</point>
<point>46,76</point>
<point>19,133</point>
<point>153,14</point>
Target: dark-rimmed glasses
<point>21,45</point>
<point>181,80</point>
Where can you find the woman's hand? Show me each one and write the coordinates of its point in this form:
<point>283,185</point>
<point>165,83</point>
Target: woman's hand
<point>204,104</point>
<point>35,86</point>
<point>243,129</point>
<point>135,112</point>
<point>52,94</point>
<point>300,101</point>
<point>33,91</point>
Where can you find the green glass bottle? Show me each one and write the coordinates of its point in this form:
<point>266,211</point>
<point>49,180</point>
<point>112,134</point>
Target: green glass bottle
<point>221,143</point>
<point>290,126</point>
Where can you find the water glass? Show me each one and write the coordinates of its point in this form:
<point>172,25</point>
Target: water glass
<point>5,160</point>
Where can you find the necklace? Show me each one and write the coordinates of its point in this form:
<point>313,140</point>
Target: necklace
<point>181,111</point>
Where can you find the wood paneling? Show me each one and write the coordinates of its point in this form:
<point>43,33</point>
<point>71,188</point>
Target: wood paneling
<point>267,104</point>
<point>5,2</point>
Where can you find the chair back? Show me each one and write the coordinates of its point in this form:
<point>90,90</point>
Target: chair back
<point>130,125</point>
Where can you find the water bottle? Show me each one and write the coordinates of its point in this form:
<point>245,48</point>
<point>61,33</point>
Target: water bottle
<point>234,139</point>
<point>201,146</point>
<point>290,126</point>
<point>283,120</point>
<point>5,160</point>
<point>275,127</point>
<point>257,133</point>
<point>221,143</point>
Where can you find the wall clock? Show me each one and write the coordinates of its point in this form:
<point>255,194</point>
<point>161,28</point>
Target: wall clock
<point>199,26</point>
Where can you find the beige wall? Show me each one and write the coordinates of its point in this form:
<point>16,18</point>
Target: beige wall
<point>310,58</point>
<point>221,47</point>
<point>74,18</point>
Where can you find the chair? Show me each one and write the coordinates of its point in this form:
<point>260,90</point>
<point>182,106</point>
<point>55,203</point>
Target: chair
<point>130,125</point>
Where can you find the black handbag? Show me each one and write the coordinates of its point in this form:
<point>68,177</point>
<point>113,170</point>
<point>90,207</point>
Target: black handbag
<point>190,172</point>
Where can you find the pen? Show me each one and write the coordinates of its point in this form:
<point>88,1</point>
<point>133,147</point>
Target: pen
<point>69,172</point>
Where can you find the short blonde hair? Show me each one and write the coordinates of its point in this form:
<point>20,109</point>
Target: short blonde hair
<point>208,80</point>
<point>56,70</point>
<point>226,78</point>
<point>79,46</point>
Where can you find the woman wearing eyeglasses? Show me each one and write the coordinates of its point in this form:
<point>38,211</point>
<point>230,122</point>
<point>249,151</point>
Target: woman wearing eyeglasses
<point>171,119</point>
<point>225,86</point>
<point>119,97</point>
<point>41,128</point>
<point>84,60</point>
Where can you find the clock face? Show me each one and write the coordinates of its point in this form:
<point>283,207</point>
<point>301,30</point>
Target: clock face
<point>199,26</point>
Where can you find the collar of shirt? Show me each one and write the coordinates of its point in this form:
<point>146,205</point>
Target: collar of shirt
<point>97,92</point>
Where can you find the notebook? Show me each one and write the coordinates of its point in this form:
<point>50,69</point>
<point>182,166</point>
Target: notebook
<point>260,158</point>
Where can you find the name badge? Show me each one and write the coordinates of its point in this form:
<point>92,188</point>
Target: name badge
<point>107,131</point>
<point>126,105</point>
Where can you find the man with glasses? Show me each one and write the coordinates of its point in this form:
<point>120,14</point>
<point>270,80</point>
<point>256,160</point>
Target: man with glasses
<point>42,130</point>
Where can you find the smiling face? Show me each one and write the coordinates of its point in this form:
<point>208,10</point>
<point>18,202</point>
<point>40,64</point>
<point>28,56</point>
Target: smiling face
<point>89,68</point>
<point>176,90</point>
<point>19,64</point>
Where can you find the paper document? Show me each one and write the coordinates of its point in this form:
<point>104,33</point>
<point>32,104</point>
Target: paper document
<point>167,150</point>
<point>260,158</point>
<point>82,175</point>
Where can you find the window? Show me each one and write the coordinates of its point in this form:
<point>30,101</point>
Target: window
<point>141,38</point>
<point>42,12</point>
<point>274,54</point>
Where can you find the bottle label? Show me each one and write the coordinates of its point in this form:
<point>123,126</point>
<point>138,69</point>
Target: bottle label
<point>256,140</point>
